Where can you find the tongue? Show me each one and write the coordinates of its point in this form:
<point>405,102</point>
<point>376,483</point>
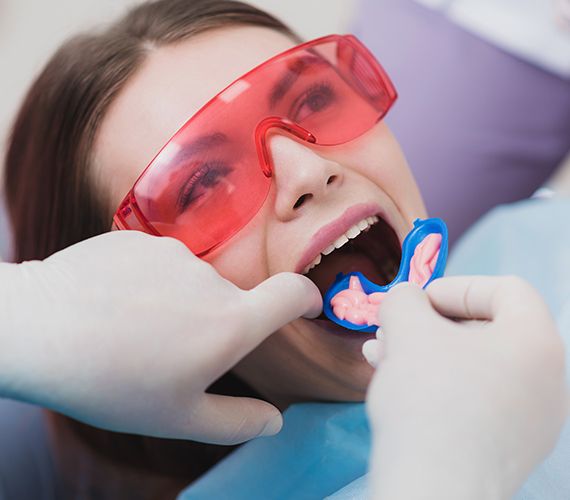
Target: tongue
<point>338,262</point>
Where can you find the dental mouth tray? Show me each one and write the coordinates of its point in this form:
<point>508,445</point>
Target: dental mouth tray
<point>421,230</point>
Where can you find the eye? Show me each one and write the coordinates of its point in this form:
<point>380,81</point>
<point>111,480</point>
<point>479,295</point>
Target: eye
<point>315,99</point>
<point>202,183</point>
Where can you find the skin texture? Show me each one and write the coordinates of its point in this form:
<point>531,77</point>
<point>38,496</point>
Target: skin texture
<point>301,361</point>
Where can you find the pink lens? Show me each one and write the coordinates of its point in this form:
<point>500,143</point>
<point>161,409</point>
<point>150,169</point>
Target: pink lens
<point>213,176</point>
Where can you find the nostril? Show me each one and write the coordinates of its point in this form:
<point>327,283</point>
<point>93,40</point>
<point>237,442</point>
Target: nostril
<point>302,199</point>
<point>331,179</point>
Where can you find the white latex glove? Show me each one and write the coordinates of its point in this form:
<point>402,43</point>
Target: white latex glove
<point>464,410</point>
<point>126,331</point>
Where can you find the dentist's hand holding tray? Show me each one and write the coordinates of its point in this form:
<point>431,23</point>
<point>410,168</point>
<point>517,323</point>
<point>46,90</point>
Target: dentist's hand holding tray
<point>421,424</point>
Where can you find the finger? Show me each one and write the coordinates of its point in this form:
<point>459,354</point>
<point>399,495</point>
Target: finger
<point>477,297</point>
<point>372,351</point>
<point>230,420</point>
<point>403,304</point>
<point>379,334</point>
<point>276,302</point>
<point>406,316</point>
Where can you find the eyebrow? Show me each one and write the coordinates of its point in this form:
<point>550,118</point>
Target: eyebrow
<point>201,144</point>
<point>280,89</point>
<point>187,151</point>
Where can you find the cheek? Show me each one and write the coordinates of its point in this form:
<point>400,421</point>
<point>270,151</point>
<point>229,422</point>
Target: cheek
<point>380,158</point>
<point>243,259</point>
<point>377,155</point>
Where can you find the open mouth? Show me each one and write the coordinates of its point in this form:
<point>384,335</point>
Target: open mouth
<point>371,247</point>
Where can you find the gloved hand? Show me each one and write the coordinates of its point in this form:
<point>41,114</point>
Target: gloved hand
<point>126,331</point>
<point>464,408</point>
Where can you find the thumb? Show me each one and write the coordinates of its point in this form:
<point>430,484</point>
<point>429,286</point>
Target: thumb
<point>474,297</point>
<point>278,301</point>
<point>230,420</point>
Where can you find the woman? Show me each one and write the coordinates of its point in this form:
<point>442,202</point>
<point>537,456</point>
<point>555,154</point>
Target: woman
<point>98,113</point>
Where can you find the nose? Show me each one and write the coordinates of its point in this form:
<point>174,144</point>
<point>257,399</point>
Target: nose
<point>302,177</point>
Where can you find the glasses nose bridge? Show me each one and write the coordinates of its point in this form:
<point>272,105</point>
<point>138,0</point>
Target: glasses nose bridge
<point>283,124</point>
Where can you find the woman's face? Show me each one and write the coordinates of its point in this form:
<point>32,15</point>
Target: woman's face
<point>316,191</point>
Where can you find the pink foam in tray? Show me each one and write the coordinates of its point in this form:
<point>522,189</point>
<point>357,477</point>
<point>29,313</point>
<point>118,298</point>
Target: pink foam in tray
<point>360,308</point>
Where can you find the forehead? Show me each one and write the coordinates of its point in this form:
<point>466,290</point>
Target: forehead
<point>173,83</point>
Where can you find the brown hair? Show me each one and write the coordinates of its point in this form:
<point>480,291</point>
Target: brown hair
<point>52,202</point>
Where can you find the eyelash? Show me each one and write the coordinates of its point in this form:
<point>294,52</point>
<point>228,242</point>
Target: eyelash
<point>207,173</point>
<point>322,88</point>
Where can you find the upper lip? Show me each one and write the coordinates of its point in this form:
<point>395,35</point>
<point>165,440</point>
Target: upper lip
<point>329,233</point>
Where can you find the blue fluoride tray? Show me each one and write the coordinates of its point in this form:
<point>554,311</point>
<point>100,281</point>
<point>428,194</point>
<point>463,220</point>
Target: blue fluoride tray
<point>422,228</point>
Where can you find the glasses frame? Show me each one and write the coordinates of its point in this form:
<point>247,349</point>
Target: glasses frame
<point>129,216</point>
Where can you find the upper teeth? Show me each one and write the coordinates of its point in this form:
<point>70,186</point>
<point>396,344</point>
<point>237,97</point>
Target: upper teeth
<point>350,234</point>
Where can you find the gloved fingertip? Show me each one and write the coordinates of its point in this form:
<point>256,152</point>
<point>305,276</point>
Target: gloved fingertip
<point>315,309</point>
<point>314,299</point>
<point>380,333</point>
<point>371,352</point>
<point>273,426</point>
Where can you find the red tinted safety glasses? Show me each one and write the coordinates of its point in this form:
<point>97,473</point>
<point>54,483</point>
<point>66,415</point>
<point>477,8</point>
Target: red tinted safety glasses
<point>214,174</point>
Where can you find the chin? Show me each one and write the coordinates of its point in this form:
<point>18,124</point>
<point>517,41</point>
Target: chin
<point>357,383</point>
<point>344,374</point>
